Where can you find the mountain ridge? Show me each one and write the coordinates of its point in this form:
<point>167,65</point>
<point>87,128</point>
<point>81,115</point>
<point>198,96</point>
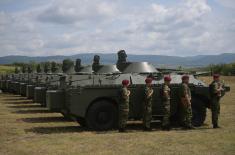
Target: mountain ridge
<point>111,58</point>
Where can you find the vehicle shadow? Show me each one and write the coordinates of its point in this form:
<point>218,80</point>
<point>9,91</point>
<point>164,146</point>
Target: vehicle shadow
<point>133,127</point>
<point>13,98</point>
<point>45,119</point>
<point>56,130</point>
<point>19,102</point>
<point>32,111</point>
<point>26,106</point>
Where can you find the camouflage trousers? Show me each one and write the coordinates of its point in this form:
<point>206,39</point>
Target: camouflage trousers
<point>186,115</point>
<point>147,115</point>
<point>167,113</point>
<point>123,117</point>
<point>215,109</point>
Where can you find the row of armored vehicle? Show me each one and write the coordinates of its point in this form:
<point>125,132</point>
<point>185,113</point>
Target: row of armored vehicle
<point>90,94</point>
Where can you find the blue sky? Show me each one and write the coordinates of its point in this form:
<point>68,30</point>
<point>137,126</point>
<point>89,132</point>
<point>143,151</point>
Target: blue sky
<point>172,27</point>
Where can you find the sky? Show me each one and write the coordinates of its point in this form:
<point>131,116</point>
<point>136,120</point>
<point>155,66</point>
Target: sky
<point>159,27</point>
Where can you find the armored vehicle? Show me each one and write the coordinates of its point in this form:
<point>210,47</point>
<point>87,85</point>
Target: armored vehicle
<point>50,78</point>
<point>4,78</point>
<point>95,104</point>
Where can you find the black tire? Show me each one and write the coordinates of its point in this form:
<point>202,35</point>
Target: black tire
<point>102,115</point>
<point>199,112</point>
<point>66,116</point>
<point>81,122</point>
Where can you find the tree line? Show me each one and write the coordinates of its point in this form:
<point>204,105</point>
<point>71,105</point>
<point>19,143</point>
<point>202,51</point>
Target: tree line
<point>223,69</point>
<point>45,67</point>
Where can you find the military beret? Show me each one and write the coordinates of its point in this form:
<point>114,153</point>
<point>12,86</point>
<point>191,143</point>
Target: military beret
<point>167,78</point>
<point>148,80</point>
<point>184,77</point>
<point>125,82</point>
<point>216,76</point>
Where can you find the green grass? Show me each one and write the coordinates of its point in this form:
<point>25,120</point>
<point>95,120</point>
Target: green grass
<point>6,69</point>
<point>26,129</point>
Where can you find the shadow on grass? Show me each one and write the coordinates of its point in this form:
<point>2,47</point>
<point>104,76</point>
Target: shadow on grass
<point>14,98</point>
<point>133,127</point>
<point>156,126</point>
<point>56,130</point>
<point>32,111</point>
<point>20,102</point>
<point>26,106</point>
<point>45,119</point>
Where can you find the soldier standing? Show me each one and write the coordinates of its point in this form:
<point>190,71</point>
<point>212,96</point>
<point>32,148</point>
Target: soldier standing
<point>124,106</point>
<point>166,96</point>
<point>185,99</point>
<point>215,91</point>
<point>148,105</point>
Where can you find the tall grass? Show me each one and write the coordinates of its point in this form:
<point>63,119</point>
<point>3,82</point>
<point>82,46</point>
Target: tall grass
<point>6,69</point>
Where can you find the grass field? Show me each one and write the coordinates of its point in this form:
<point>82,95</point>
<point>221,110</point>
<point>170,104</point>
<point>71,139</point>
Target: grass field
<point>6,69</point>
<point>28,129</point>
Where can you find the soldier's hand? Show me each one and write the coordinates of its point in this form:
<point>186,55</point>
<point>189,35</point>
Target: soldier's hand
<point>128,93</point>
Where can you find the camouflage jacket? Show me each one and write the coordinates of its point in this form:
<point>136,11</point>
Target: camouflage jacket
<point>216,89</point>
<point>148,93</point>
<point>124,94</point>
<point>166,92</point>
<point>185,94</point>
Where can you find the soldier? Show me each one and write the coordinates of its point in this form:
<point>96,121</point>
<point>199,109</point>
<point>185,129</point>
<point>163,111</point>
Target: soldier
<point>124,106</point>
<point>215,91</point>
<point>166,96</point>
<point>185,99</point>
<point>148,105</point>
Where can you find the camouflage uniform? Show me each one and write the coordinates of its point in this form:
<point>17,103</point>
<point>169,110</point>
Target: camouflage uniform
<point>123,108</point>
<point>215,99</point>
<point>166,103</point>
<point>147,116</point>
<point>186,109</point>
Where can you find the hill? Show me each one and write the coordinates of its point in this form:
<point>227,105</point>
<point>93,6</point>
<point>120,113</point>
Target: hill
<point>157,60</point>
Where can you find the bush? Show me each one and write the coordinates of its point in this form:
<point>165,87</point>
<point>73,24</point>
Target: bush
<point>223,69</point>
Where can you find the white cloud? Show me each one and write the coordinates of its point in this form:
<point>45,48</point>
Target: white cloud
<point>227,3</point>
<point>188,27</point>
<point>73,11</point>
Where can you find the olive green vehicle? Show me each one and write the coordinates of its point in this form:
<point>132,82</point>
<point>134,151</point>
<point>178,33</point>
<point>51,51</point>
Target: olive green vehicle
<point>43,81</point>
<point>95,104</point>
<point>90,94</point>
<point>30,84</point>
<point>12,82</point>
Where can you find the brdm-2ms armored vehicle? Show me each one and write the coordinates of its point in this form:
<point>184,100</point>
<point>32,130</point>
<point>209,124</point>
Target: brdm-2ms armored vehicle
<point>95,105</point>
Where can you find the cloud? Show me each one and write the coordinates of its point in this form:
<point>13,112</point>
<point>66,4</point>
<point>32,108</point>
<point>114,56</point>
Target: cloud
<point>73,11</point>
<point>227,3</point>
<point>187,27</point>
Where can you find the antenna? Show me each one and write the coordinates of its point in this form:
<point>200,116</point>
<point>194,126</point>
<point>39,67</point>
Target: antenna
<point>130,80</point>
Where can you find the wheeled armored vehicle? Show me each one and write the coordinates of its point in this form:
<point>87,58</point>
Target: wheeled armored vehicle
<point>95,104</point>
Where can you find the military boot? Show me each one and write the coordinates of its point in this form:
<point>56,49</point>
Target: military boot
<point>215,126</point>
<point>122,130</point>
<point>147,129</point>
<point>188,127</point>
<point>166,128</point>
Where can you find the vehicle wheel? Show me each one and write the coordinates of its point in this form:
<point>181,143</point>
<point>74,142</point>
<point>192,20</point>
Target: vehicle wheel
<point>102,115</point>
<point>66,116</point>
<point>81,122</point>
<point>199,112</point>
